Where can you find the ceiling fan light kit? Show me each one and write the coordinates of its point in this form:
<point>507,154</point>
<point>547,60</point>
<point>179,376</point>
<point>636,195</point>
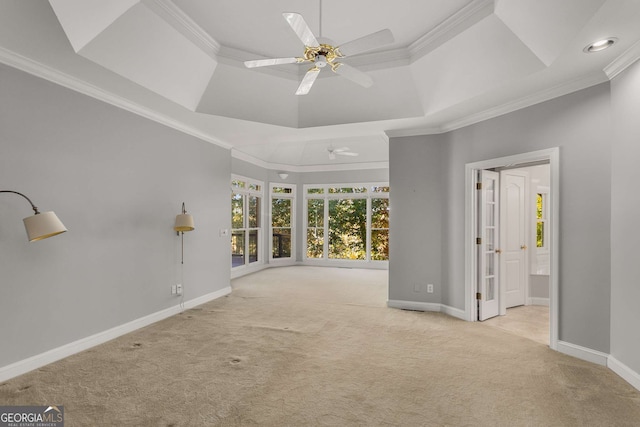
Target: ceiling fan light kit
<point>323,54</point>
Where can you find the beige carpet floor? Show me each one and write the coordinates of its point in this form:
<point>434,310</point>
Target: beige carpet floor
<point>305,346</point>
<point>530,321</point>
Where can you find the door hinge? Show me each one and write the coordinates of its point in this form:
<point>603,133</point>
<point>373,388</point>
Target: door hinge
<point>478,296</point>
<point>478,186</point>
<point>478,240</point>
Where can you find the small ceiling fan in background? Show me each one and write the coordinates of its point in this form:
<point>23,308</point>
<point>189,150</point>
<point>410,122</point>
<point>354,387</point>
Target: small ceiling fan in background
<point>343,151</point>
<point>323,54</point>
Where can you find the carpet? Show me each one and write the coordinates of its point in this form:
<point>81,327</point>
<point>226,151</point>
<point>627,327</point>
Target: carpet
<point>311,346</point>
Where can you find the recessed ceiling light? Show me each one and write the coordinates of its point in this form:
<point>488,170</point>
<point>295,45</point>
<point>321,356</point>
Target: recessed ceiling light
<point>600,45</point>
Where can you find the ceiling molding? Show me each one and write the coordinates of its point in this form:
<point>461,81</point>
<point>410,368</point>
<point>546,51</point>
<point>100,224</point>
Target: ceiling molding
<point>623,61</point>
<point>175,17</point>
<point>45,72</point>
<point>527,101</point>
<point>451,27</point>
<point>308,168</point>
<point>399,133</point>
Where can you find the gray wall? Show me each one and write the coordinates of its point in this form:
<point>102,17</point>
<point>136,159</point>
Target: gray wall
<point>117,181</point>
<point>625,206</point>
<point>416,218</point>
<point>580,124</point>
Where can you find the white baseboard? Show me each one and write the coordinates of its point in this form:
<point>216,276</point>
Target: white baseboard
<point>39,360</point>
<point>627,374</point>
<point>539,301</point>
<point>583,353</point>
<point>454,312</point>
<point>427,306</point>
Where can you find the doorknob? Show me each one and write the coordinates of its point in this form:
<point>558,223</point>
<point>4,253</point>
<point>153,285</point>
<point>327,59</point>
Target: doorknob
<point>498,251</point>
<point>523,247</point>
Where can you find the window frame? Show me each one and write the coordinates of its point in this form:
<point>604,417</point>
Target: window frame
<point>292,227</point>
<point>327,196</point>
<point>246,191</point>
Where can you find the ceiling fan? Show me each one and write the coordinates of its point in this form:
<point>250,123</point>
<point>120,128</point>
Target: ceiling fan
<point>323,54</point>
<point>343,151</point>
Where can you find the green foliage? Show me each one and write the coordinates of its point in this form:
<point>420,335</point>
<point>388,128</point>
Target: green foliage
<point>348,228</point>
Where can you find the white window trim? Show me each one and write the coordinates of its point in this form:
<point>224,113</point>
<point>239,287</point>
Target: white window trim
<point>291,196</point>
<point>326,196</point>
<point>250,192</point>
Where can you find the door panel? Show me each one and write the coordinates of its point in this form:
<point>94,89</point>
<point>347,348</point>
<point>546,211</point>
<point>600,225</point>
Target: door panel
<point>513,231</point>
<point>488,266</point>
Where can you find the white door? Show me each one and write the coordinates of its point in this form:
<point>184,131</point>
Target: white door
<point>513,238</point>
<point>488,265</point>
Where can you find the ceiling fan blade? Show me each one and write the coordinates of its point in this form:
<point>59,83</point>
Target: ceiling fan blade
<point>346,153</point>
<point>353,74</point>
<point>301,29</point>
<point>267,62</point>
<point>307,81</point>
<point>366,43</point>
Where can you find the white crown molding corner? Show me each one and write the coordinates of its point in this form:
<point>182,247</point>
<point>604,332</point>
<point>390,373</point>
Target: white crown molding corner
<point>42,359</point>
<point>625,372</point>
<point>623,61</point>
<point>556,91</point>
<point>466,17</point>
<point>45,72</point>
<point>236,154</point>
<point>179,20</point>
<point>583,353</point>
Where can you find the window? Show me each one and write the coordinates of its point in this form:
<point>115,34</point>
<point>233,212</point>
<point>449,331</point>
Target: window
<point>282,216</point>
<point>246,214</point>
<point>347,222</point>
<point>541,220</point>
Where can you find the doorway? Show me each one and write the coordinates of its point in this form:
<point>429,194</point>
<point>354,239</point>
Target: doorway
<point>516,265</point>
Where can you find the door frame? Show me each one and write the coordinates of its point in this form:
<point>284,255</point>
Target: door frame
<point>553,156</point>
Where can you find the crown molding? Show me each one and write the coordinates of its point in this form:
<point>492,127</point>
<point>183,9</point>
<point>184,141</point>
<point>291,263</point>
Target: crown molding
<point>623,61</point>
<point>400,133</point>
<point>179,20</point>
<point>236,154</point>
<point>527,101</point>
<point>469,15</point>
<point>45,72</point>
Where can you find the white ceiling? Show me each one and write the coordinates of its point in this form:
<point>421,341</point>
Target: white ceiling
<point>453,63</point>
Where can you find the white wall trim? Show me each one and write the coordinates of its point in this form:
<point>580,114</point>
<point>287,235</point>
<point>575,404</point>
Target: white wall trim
<point>623,61</point>
<point>625,372</point>
<point>541,96</point>
<point>583,353</point>
<point>236,154</point>
<point>42,71</point>
<point>39,360</point>
<point>463,19</point>
<point>427,306</point>
<point>248,269</point>
<point>553,156</point>
<point>538,301</point>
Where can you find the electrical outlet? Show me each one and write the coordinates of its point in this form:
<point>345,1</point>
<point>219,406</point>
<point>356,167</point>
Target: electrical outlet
<point>178,289</point>
<point>173,290</point>
<point>429,288</point>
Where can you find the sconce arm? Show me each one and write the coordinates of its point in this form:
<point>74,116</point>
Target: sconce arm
<point>35,209</point>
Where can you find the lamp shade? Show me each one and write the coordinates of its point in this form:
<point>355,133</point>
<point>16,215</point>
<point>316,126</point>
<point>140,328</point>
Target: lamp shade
<point>43,225</point>
<point>184,222</point>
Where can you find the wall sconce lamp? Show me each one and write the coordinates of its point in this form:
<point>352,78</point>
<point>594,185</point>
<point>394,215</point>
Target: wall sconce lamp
<point>40,225</point>
<point>283,175</point>
<point>184,222</point>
